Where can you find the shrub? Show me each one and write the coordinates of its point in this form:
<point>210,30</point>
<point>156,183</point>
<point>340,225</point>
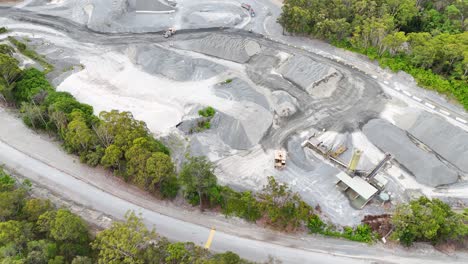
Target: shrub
<point>315,224</point>
<point>207,112</point>
<point>3,30</point>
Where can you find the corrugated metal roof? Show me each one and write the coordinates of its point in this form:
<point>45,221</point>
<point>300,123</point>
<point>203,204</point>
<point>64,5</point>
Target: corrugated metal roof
<point>360,186</point>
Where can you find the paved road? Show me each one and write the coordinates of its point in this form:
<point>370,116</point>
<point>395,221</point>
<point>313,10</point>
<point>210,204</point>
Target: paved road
<point>85,193</point>
<point>42,161</point>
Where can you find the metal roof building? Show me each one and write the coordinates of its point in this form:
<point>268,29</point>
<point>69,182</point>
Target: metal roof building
<point>357,189</point>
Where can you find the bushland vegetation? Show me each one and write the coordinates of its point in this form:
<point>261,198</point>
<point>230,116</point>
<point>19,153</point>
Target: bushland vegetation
<point>425,38</point>
<point>34,231</point>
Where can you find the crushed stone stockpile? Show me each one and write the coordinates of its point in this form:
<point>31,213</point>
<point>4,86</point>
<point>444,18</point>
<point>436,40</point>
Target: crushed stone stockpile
<point>239,90</point>
<point>305,72</point>
<point>150,6</point>
<point>243,126</point>
<point>223,46</point>
<point>214,14</point>
<point>284,104</point>
<point>425,166</point>
<point>156,60</point>
<point>447,140</point>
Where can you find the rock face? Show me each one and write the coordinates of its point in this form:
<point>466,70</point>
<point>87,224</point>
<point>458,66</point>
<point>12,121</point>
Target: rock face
<point>424,165</point>
<point>284,104</point>
<point>447,140</point>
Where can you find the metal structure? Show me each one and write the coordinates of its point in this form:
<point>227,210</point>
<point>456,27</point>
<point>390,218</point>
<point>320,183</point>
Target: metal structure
<point>354,161</point>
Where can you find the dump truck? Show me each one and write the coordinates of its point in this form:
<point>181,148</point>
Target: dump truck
<point>169,32</point>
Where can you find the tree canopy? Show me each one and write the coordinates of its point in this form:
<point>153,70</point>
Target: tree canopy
<point>426,38</point>
<point>427,220</point>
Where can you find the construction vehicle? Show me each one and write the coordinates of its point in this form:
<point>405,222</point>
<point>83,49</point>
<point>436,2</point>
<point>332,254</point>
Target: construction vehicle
<point>280,159</point>
<point>248,8</point>
<point>169,32</point>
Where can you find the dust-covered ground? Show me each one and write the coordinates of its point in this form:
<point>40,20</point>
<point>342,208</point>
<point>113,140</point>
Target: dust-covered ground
<point>267,95</point>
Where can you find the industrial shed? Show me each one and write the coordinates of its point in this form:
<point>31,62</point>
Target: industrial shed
<point>359,191</point>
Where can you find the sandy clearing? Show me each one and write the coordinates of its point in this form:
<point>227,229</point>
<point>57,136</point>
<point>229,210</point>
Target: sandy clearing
<point>111,81</point>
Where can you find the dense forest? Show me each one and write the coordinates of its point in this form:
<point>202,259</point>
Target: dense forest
<point>426,38</point>
<point>33,231</point>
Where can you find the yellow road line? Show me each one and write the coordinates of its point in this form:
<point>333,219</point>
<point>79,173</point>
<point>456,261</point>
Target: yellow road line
<point>210,238</point>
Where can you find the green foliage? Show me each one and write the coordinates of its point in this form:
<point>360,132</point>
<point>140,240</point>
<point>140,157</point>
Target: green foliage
<point>227,81</point>
<point>9,74</point>
<point>198,179</point>
<point>32,82</point>
<point>362,233</point>
<point>427,220</point>
<point>31,54</point>
<point>32,231</point>
<point>207,112</point>
<point>6,49</point>
<point>123,242</point>
<point>315,224</point>
<point>424,38</point>
<point>3,30</point>
<point>284,209</point>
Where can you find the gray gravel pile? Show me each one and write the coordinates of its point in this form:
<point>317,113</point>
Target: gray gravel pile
<point>244,127</point>
<point>445,139</point>
<point>284,104</point>
<point>156,60</point>
<point>304,71</point>
<point>425,166</point>
<point>214,14</point>
<point>223,46</point>
<point>239,90</point>
<point>149,5</point>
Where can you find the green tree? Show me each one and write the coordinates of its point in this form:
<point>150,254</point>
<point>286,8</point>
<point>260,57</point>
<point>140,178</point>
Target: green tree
<point>284,208</point>
<point>159,168</point>
<point>6,49</point>
<point>68,227</point>
<point>198,178</point>
<point>123,242</point>
<point>394,42</point>
<point>11,203</point>
<point>31,83</point>
<point>427,220</point>
<point>15,232</point>
<point>112,157</point>
<point>79,137</point>
<point>9,74</point>
<point>34,208</point>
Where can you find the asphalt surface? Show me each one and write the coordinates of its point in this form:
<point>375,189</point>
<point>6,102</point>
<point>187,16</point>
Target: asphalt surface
<point>37,158</point>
